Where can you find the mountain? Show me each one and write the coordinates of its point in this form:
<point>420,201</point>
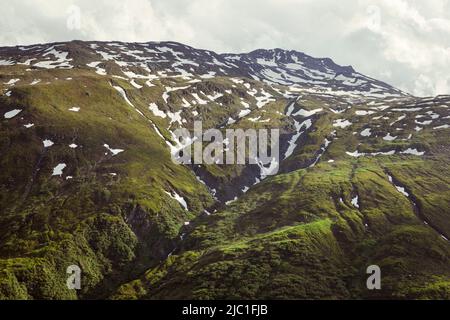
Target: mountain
<point>87,179</point>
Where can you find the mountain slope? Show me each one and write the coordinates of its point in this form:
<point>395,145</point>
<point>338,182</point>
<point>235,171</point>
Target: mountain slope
<point>87,132</point>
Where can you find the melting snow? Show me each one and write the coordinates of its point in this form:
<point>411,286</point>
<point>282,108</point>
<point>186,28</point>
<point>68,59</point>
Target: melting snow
<point>293,141</point>
<point>307,113</point>
<point>12,113</point>
<point>399,188</point>
<point>230,121</point>
<point>363,112</point>
<point>47,143</point>
<point>12,82</point>
<point>357,154</point>
<point>113,151</point>
<point>6,63</point>
<point>243,113</point>
<point>135,84</point>
<point>413,152</point>
<point>366,132</point>
<point>272,169</point>
<point>154,108</point>
<point>57,171</point>
<point>199,100</point>
<point>355,202</point>
<point>341,123</point>
<point>124,95</point>
<point>179,198</point>
<point>388,137</point>
<point>445,126</point>
<point>424,123</point>
<point>60,62</point>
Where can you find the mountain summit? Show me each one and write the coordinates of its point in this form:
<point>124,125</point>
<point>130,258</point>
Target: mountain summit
<point>275,66</point>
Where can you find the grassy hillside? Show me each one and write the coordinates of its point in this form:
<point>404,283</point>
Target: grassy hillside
<point>87,179</point>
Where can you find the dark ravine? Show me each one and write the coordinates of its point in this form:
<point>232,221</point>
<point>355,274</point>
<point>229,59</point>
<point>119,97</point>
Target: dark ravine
<point>415,203</point>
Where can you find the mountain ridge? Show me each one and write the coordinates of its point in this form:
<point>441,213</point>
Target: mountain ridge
<point>327,73</point>
<point>86,137</point>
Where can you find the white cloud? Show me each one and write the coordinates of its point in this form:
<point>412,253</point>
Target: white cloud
<point>405,43</point>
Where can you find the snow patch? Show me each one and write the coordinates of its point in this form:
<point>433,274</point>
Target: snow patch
<point>178,198</point>
<point>58,170</point>
<point>12,113</point>
<point>113,151</point>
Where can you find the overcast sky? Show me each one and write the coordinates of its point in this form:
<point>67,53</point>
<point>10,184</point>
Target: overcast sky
<point>405,43</point>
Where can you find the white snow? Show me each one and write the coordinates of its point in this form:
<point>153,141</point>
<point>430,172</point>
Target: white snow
<point>113,151</point>
<point>57,171</point>
<point>399,188</point>
<point>175,117</point>
<point>123,94</point>
<point>388,137</point>
<point>424,123</point>
<point>357,154</point>
<point>6,63</point>
<point>98,70</point>
<point>341,123</point>
<point>355,202</point>
<point>93,64</point>
<point>363,112</point>
<point>74,109</point>
<point>199,100</point>
<point>125,97</point>
<point>366,132</point>
<point>402,190</point>
<point>413,152</point>
<point>12,82</point>
<point>407,109</point>
<point>12,113</point>
<point>322,150</point>
<point>156,111</point>
<point>444,126</point>
<point>28,125</point>
<point>135,84</point>
<point>231,201</point>
<point>73,146</point>
<point>244,112</point>
<point>290,109</point>
<point>179,198</point>
<point>209,75</point>
<point>60,62</point>
<point>264,171</point>
<point>47,143</point>
<point>293,141</point>
<point>230,121</point>
<point>307,113</point>
<point>245,104</point>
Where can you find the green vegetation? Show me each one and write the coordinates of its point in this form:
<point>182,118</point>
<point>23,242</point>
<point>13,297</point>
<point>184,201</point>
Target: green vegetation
<point>296,235</point>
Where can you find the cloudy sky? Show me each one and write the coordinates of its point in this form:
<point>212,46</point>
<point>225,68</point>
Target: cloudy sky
<point>403,42</point>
